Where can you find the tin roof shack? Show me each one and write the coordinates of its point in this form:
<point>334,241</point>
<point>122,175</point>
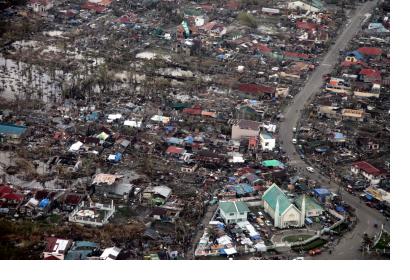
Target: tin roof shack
<point>371,173</point>
<point>12,133</point>
<point>108,185</point>
<point>56,248</point>
<point>157,195</point>
<point>352,114</point>
<point>245,129</point>
<point>92,214</point>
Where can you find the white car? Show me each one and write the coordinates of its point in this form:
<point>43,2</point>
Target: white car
<point>299,258</point>
<point>310,169</point>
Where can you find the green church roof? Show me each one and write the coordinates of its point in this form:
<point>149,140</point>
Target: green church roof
<point>273,194</point>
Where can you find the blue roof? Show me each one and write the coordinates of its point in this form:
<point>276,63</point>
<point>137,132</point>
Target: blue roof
<point>11,129</point>
<point>356,54</point>
<point>321,191</point>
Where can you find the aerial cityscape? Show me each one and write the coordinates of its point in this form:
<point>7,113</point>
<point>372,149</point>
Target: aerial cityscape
<point>194,130</point>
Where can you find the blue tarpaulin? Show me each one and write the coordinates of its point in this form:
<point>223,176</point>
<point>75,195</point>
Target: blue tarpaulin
<point>118,156</point>
<point>369,197</point>
<point>169,128</point>
<point>308,221</point>
<point>340,209</point>
<point>189,139</point>
<point>321,192</point>
<point>43,203</point>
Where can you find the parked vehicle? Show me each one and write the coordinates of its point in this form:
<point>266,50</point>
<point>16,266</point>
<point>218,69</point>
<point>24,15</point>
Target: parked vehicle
<point>310,169</point>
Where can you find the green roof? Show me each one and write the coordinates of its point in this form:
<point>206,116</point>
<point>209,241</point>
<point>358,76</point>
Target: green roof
<point>233,206</point>
<point>272,163</point>
<point>273,194</point>
<point>310,203</point>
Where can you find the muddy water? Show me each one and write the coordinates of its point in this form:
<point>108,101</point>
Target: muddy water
<point>15,76</point>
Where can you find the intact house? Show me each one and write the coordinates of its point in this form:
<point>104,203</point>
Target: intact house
<point>371,173</point>
<point>40,6</point>
<point>56,248</point>
<point>267,141</point>
<point>233,211</point>
<point>281,210</point>
<point>244,129</point>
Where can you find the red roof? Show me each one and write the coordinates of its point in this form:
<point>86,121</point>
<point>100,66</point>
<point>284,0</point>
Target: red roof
<point>370,51</point>
<point>254,88</point>
<point>306,25</point>
<point>92,6</point>
<point>367,167</point>
<point>295,54</point>
<point>263,48</point>
<point>371,73</point>
<point>5,189</point>
<point>192,111</point>
<point>346,63</point>
<point>174,150</point>
<point>12,196</point>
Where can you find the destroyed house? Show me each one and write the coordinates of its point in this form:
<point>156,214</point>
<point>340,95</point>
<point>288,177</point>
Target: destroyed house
<point>209,157</point>
<point>11,132</point>
<point>56,248</point>
<point>255,89</point>
<point>157,195</point>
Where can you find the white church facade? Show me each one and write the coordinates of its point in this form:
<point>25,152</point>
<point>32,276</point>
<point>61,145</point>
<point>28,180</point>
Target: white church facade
<point>283,212</point>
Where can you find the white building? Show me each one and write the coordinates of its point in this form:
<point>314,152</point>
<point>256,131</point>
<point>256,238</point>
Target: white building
<point>311,6</point>
<point>283,212</point>
<point>267,141</point>
<point>40,6</point>
<point>371,173</point>
<point>233,211</point>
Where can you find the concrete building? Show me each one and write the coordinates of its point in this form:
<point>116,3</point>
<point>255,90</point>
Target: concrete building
<point>245,129</point>
<point>279,207</point>
<point>233,211</point>
<point>267,141</point>
<point>371,173</point>
<point>311,6</point>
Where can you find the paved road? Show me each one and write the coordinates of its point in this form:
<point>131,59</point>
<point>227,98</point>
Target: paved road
<point>350,243</point>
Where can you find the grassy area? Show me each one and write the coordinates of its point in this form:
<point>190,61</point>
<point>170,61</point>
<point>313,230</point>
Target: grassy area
<point>296,238</point>
<point>384,242</point>
<point>311,245</point>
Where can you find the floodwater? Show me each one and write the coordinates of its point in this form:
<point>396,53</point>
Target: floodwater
<point>15,77</point>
